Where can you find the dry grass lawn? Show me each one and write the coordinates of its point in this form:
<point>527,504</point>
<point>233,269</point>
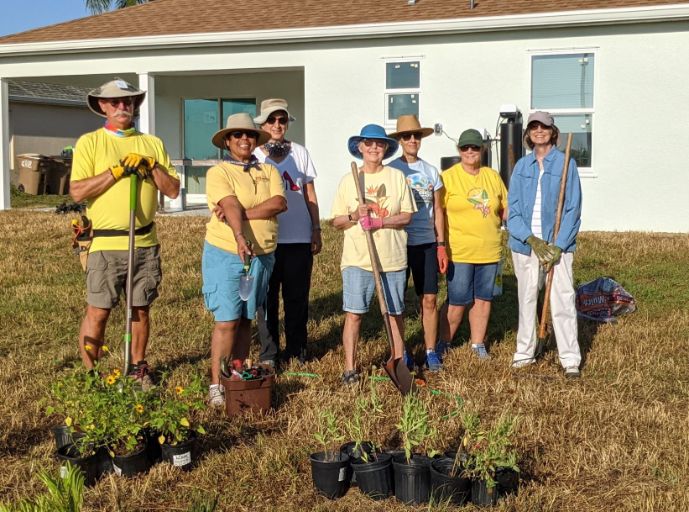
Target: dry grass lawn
<point>615,440</point>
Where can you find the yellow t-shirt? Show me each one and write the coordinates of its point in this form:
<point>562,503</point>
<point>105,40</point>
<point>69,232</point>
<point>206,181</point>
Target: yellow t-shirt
<point>387,193</point>
<point>251,189</point>
<point>473,214</point>
<point>94,154</point>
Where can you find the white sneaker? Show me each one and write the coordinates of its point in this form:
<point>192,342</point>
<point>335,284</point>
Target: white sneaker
<point>521,363</point>
<point>216,395</point>
<point>572,372</point>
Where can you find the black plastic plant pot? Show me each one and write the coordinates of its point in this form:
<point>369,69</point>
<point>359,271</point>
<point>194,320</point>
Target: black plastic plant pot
<point>446,487</point>
<point>132,464</point>
<point>356,454</point>
<point>331,478</point>
<point>92,466</point>
<point>506,482</point>
<point>181,455</point>
<point>412,479</point>
<point>64,436</point>
<point>155,453</point>
<point>375,477</point>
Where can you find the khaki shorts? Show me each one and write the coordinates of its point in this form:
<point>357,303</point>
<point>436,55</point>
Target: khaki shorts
<point>106,277</point>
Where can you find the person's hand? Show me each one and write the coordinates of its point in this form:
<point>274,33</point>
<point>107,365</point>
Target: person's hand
<point>443,260</point>
<point>362,211</point>
<point>142,172</point>
<point>117,171</point>
<point>316,242</point>
<point>135,160</point>
<point>243,248</point>
<point>369,223</point>
<point>557,252</point>
<point>540,249</point>
<point>219,213</point>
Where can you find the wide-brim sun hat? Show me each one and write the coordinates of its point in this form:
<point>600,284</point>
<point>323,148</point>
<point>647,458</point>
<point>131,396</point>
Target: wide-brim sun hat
<point>545,118</point>
<point>374,132</point>
<point>409,123</point>
<point>269,106</point>
<point>239,122</point>
<point>114,89</point>
<point>470,137</point>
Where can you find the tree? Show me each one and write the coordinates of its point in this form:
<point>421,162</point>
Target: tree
<point>100,6</point>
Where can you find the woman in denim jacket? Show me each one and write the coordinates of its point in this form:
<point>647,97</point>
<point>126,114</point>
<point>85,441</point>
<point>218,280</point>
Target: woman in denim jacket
<point>532,199</point>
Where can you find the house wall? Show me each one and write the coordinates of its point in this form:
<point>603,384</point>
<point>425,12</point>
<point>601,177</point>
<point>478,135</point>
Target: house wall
<point>638,181</point>
<point>46,129</point>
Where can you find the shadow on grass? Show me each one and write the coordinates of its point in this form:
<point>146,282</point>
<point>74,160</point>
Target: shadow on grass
<point>20,441</point>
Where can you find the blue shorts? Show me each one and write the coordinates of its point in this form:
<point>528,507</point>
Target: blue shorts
<point>469,281</point>
<point>358,287</point>
<point>221,272</point>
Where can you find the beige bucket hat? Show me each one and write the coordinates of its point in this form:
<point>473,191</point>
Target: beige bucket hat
<point>269,106</point>
<point>409,124</point>
<point>242,122</point>
<point>116,88</point>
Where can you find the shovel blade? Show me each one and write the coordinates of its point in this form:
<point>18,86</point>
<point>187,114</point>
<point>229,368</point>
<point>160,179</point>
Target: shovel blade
<point>400,375</point>
<point>246,286</point>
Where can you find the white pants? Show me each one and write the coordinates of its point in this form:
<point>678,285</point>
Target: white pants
<point>530,279</point>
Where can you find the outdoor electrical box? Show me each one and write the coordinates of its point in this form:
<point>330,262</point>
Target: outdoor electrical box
<point>511,145</point>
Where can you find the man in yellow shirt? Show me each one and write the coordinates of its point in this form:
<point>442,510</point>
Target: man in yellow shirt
<point>103,159</point>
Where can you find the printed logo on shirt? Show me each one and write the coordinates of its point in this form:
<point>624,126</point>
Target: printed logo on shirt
<point>479,198</point>
<point>421,189</point>
<point>377,201</point>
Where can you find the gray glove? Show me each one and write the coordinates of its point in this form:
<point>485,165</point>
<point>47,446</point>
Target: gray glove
<point>557,252</point>
<point>540,248</point>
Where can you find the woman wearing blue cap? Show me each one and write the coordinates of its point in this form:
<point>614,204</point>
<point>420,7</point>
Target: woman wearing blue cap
<point>389,208</point>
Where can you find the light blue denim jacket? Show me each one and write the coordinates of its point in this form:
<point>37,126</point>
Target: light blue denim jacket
<point>522,196</point>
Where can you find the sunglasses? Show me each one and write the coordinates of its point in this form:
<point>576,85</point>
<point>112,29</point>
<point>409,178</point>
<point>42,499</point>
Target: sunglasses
<point>407,136</point>
<point>377,143</point>
<point>470,147</point>
<point>115,102</point>
<point>536,125</point>
<point>239,134</point>
<point>272,119</point>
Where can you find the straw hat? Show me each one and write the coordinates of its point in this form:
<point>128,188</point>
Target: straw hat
<point>268,107</point>
<point>242,122</point>
<point>116,88</point>
<point>372,131</point>
<point>410,124</point>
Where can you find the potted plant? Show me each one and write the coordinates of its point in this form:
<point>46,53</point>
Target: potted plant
<point>372,469</point>
<point>449,481</point>
<point>412,470</point>
<point>173,416</point>
<point>492,463</point>
<point>330,468</point>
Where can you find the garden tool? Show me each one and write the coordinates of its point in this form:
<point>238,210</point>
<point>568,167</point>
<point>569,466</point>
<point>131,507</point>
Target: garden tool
<point>133,193</point>
<point>540,344</point>
<point>246,282</point>
<point>396,368</point>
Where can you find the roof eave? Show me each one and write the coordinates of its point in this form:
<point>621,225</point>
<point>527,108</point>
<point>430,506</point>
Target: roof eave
<point>588,17</point>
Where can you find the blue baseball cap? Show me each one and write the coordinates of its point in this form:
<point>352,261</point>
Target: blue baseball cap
<point>375,132</point>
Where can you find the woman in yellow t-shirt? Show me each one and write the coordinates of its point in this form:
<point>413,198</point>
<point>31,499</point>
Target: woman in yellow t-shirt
<point>475,202</point>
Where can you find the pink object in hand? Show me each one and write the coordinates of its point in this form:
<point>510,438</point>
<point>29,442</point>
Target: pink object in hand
<point>369,223</point>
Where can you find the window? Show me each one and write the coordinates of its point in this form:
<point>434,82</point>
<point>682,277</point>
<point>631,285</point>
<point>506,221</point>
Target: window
<point>562,84</point>
<point>402,87</point>
<point>202,118</point>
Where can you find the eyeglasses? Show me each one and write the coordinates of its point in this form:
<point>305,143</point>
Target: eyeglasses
<point>272,119</point>
<point>373,142</point>
<point>407,136</point>
<point>115,102</point>
<point>469,147</point>
<point>239,134</point>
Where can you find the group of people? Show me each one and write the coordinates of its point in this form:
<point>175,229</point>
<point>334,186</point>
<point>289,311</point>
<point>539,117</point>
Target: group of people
<point>264,230</point>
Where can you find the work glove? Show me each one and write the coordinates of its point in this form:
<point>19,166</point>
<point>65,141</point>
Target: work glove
<point>134,161</point>
<point>368,223</point>
<point>557,252</point>
<point>117,171</point>
<point>442,259</point>
<point>540,249</point>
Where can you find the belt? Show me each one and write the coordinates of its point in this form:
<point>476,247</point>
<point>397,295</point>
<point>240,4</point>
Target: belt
<point>144,230</point>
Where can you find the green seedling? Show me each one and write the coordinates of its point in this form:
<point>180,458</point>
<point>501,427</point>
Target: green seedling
<point>490,450</point>
<point>329,434</point>
<point>414,424</point>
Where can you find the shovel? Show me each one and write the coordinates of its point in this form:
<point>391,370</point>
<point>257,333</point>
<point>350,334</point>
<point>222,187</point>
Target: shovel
<point>133,193</point>
<point>540,344</point>
<point>399,374</point>
<point>246,282</point>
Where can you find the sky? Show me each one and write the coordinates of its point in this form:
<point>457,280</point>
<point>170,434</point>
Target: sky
<point>20,15</point>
